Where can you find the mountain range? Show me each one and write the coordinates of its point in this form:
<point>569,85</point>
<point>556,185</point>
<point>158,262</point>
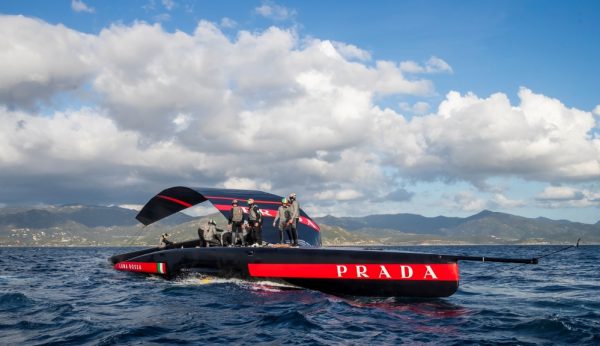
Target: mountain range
<point>81,225</point>
<point>486,227</point>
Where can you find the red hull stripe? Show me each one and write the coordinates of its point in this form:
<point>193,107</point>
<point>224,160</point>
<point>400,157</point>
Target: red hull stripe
<point>398,271</point>
<point>178,201</point>
<point>241,199</point>
<point>270,213</point>
<point>142,267</point>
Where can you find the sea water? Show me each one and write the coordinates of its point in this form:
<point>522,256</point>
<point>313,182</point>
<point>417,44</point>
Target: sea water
<point>73,296</point>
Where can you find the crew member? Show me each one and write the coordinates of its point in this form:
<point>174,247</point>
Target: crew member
<point>201,241</point>
<point>236,218</point>
<point>293,222</point>
<point>209,235</point>
<point>255,220</point>
<point>283,216</point>
<point>246,232</point>
<point>164,241</point>
<point>225,237</point>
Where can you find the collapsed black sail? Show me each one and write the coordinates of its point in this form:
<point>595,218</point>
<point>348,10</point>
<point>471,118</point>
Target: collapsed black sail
<point>178,198</point>
<point>168,202</point>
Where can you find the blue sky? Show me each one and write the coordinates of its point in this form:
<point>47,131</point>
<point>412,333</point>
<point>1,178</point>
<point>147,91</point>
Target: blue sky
<point>430,71</point>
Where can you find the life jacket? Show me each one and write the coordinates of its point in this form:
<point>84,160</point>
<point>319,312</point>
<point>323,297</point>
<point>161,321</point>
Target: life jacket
<point>283,215</point>
<point>254,214</point>
<point>295,209</point>
<point>287,212</point>
<point>211,232</point>
<point>237,214</point>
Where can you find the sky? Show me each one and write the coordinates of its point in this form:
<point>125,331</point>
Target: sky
<point>426,107</point>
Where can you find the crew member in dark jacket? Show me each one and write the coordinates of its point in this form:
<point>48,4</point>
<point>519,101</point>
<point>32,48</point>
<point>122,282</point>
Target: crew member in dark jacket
<point>236,218</point>
<point>293,223</point>
<point>255,220</point>
<point>283,216</point>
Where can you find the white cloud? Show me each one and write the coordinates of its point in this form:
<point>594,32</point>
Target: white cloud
<point>389,79</point>
<point>271,10</point>
<point>256,79</point>
<point>437,65</point>
<point>81,141</point>
<point>268,110</point>
<point>136,207</point>
<point>38,60</point>
<point>597,110</point>
<point>411,67</point>
<point>351,52</point>
<point>471,202</point>
<point>433,65</point>
<point>338,195</point>
<point>467,202</point>
<point>182,121</point>
<point>567,196</point>
<point>245,183</point>
<point>500,201</point>
<point>228,23</point>
<point>560,193</point>
<point>470,138</point>
<point>80,6</point>
<point>419,107</point>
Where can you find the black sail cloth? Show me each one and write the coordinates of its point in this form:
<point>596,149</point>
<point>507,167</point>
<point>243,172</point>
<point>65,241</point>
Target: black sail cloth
<point>178,198</point>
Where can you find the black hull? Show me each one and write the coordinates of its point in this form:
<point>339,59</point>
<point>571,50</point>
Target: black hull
<point>335,271</point>
<point>372,288</point>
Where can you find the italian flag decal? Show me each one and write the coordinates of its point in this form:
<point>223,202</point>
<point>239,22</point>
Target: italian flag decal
<point>142,267</point>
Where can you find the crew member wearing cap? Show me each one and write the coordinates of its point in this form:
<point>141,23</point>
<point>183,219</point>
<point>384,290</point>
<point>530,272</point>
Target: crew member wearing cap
<point>283,216</point>
<point>255,220</point>
<point>293,222</point>
<point>164,241</point>
<point>209,235</point>
<point>236,218</point>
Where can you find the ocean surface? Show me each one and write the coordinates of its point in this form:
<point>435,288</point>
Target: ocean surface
<point>73,296</point>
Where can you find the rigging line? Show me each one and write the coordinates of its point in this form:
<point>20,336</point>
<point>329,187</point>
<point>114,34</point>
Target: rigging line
<point>137,235</point>
<point>537,258</point>
<point>560,250</point>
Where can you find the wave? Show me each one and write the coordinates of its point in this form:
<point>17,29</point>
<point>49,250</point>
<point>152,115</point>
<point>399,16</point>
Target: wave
<point>77,298</point>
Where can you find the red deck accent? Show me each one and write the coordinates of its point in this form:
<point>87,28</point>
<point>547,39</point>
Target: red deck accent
<point>427,272</point>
